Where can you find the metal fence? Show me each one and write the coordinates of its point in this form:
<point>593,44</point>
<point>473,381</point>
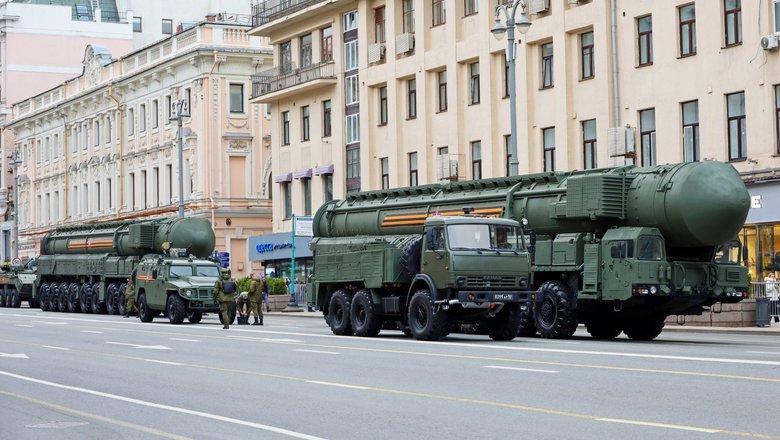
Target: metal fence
<point>768,290</point>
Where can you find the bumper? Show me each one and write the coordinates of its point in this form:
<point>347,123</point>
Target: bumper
<point>203,306</point>
<point>502,297</point>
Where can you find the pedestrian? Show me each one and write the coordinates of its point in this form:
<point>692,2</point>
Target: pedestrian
<point>265,292</point>
<point>129,298</point>
<point>770,283</point>
<point>224,290</point>
<point>255,295</point>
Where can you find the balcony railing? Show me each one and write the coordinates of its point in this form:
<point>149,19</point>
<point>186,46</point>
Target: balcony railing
<point>269,10</point>
<point>276,79</point>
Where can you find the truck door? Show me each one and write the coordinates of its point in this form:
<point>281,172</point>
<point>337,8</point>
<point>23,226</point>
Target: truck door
<point>616,282</point>
<point>435,258</point>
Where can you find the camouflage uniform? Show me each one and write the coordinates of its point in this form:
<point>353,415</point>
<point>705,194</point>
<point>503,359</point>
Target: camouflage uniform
<point>255,296</point>
<point>129,298</point>
<point>225,299</point>
<point>242,304</point>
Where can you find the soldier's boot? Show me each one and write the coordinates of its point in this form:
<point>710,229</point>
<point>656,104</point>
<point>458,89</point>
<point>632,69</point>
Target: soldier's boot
<point>125,315</point>
<point>256,322</point>
<point>261,321</point>
<point>225,327</point>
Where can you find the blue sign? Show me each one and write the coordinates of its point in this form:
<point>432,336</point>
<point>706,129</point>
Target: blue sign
<point>270,247</point>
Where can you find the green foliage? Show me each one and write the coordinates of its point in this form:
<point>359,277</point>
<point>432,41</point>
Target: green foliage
<point>276,286</point>
<point>243,284</point>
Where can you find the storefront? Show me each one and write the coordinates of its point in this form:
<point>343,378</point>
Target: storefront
<point>761,234</point>
<point>275,253</point>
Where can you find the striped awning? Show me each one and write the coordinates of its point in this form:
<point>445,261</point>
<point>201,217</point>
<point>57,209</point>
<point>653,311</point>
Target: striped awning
<point>286,177</point>
<point>305,174</point>
<point>327,169</point>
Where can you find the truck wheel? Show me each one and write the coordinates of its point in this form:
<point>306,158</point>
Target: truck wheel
<point>527,327</point>
<point>410,258</point>
<point>365,321</point>
<point>85,300</point>
<point>62,298</point>
<point>121,303</point>
<point>74,305</point>
<point>2,298</point>
<point>113,298</point>
<point>603,328</point>
<point>425,324</point>
<point>339,310</point>
<point>503,326</point>
<point>45,291</point>
<point>176,309</point>
<point>145,314</point>
<point>53,302</point>
<point>97,306</point>
<point>194,317</point>
<point>644,329</point>
<point>16,299</point>
<point>554,316</point>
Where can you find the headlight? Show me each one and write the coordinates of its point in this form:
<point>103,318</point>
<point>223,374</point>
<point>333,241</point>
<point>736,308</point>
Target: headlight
<point>653,290</point>
<point>461,281</point>
<point>186,292</point>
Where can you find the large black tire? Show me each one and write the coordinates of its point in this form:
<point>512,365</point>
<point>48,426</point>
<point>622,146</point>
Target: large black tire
<point>145,314</point>
<point>503,326</point>
<point>176,308</point>
<point>527,327</point>
<point>603,328</point>
<point>2,297</point>
<point>15,299</point>
<point>54,303</point>
<point>409,261</point>
<point>62,298</point>
<point>112,298</point>
<point>233,313</point>
<point>85,298</point>
<point>97,306</point>
<point>555,319</point>
<point>194,317</point>
<point>644,329</point>
<point>121,303</point>
<point>339,311</point>
<point>74,305</point>
<point>45,291</point>
<point>365,320</point>
<point>424,323</point>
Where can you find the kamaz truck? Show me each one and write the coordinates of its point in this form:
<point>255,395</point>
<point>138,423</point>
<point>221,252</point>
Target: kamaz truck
<point>617,249</point>
<point>85,268</point>
<point>16,284</point>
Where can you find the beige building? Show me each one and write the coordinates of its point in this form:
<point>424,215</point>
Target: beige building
<point>391,93</point>
<point>102,146</point>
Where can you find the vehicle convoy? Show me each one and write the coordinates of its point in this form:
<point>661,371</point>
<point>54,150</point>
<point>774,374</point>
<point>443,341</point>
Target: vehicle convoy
<point>16,284</point>
<point>85,268</point>
<point>617,249</point>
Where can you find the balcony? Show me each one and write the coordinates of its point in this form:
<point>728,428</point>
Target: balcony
<point>272,84</point>
<point>266,13</point>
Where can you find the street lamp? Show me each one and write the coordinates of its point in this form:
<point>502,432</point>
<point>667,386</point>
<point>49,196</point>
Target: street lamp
<point>181,109</point>
<point>15,162</point>
<point>509,11</point>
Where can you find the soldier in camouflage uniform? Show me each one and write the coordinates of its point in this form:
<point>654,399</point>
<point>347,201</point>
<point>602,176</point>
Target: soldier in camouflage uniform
<point>224,288</point>
<point>129,298</point>
<point>255,297</point>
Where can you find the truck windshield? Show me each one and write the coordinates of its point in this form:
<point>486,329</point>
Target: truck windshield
<point>207,271</point>
<point>475,236</point>
<point>727,253</point>
<point>180,271</point>
<point>650,248</point>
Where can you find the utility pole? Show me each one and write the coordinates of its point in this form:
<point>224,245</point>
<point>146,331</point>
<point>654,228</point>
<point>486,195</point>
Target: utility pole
<point>181,109</point>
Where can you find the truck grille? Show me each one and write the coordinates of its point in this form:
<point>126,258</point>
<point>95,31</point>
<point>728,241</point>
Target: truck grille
<point>491,281</point>
<point>732,275</point>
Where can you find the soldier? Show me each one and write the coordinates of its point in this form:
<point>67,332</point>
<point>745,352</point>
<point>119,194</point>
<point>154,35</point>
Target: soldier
<point>129,297</point>
<point>224,288</point>
<point>256,288</point>
<point>242,307</point>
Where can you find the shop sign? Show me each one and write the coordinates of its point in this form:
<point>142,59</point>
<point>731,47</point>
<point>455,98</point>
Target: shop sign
<point>270,247</point>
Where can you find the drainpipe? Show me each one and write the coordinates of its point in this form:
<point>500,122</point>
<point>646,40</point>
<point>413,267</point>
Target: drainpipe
<point>66,152</point>
<point>121,127</point>
<point>211,163</point>
<point>616,90</point>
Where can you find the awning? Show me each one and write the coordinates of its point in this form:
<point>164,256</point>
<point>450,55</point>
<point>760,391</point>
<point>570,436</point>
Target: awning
<point>305,174</point>
<point>327,169</point>
<point>283,178</point>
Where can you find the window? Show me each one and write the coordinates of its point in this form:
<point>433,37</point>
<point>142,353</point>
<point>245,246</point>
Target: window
<point>647,134</point>
<point>439,12</point>
<point>168,111</point>
<point>384,167</point>
<point>167,26</point>
<point>408,19</point>
<point>687,16</point>
<point>350,21</point>
<point>286,128</point>
<point>142,118</point>
<point>144,184</point>
<point>508,153</point>
<point>287,193</point>
<point>326,128</point>
<point>379,25</point>
<point>328,187</point>
<point>84,140</point>
<point>442,80</point>
<point>735,103</point>
<point>109,195</point>
<point>236,98</point>
<point>55,147</point>
<point>38,152</point>
<point>305,49</point>
<point>155,113</point>
<point>547,65</point>
<point>137,24</point>
<point>350,55</point>
<point>85,200</point>
<point>285,57</point>
<point>586,45</point>
<point>645,30</point>
<point>690,116</point>
<point>353,129</point>
<point>306,196</point>
<point>109,129</point>
<point>548,141</point>
<point>650,248</point>
<point>411,98</point>
<point>732,10</point>
<point>305,123</point>
<point>169,179</point>
<point>476,160</point>
<point>506,77</point>
<point>589,143</point>
<point>777,16</point>
<point>96,137</point>
<point>98,196</point>
<point>351,89</point>
<point>383,106</point>
<point>474,83</point>
<point>353,169</point>
<point>413,181</point>
<point>470,7</point>
<point>777,117</point>
<point>326,44</point>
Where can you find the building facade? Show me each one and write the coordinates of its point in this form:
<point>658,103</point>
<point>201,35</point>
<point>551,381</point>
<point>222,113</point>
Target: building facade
<point>103,146</point>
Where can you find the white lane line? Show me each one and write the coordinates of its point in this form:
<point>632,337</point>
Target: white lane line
<point>175,409</point>
<point>498,367</point>
<point>660,425</point>
<point>163,362</point>
<point>183,339</point>
<point>340,385</point>
<point>56,348</point>
<point>24,325</point>
<point>318,351</point>
<point>92,331</point>
<point>55,323</point>
<point>765,352</point>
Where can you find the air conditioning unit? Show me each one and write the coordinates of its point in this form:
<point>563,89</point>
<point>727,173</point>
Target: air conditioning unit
<point>620,142</point>
<point>769,42</point>
<point>574,2</point>
<point>404,43</point>
<point>447,168</point>
<point>376,52</point>
<point>539,6</point>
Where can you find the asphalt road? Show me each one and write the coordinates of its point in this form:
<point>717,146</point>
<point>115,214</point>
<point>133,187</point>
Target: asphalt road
<point>75,376</point>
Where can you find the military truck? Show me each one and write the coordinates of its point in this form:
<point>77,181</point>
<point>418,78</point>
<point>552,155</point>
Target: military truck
<point>16,284</point>
<point>85,268</point>
<point>426,273</point>
<point>618,249</point>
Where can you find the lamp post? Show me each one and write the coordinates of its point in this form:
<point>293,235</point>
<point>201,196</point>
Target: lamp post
<point>509,11</point>
<point>181,109</point>
<point>15,162</point>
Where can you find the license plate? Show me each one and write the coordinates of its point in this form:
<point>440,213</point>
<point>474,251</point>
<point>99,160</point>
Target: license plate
<point>502,296</point>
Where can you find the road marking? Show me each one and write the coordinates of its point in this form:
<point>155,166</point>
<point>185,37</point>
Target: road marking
<point>78,413</point>
<point>184,339</point>
<point>92,331</point>
<point>163,362</point>
<point>340,385</point>
<point>764,352</point>
<point>175,409</point>
<point>24,325</point>
<point>498,367</point>
<point>661,425</point>
<point>55,323</point>
<point>15,356</point>
<point>147,347</point>
<point>56,348</point>
<point>317,351</point>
